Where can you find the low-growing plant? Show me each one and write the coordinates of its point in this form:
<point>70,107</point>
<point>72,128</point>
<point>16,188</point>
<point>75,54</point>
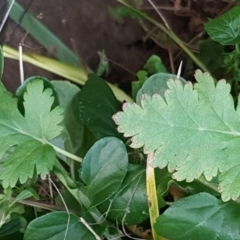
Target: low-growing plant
<point>68,169</point>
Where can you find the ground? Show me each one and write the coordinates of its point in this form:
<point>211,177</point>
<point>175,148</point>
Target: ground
<point>92,28</point>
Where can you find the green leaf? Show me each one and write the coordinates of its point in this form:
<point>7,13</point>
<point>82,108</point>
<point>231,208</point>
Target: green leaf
<point>4,212</point>
<point>197,187</point>
<point>157,83</point>
<point>225,29</point>
<point>96,105</point>
<point>200,216</point>
<point>10,227</point>
<point>104,168</point>
<point>193,131</point>
<point>154,65</point>
<point>163,182</point>
<point>72,135</point>
<point>9,211</point>
<point>129,205</point>
<point>23,88</point>
<point>229,60</point>
<point>56,225</point>
<point>211,54</point>
<point>122,12</point>
<point>73,205</point>
<point>103,66</point>
<point>22,196</point>
<point>136,85</point>
<point>28,134</point>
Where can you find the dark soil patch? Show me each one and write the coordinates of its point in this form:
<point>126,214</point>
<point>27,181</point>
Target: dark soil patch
<point>127,45</point>
<point>92,28</point>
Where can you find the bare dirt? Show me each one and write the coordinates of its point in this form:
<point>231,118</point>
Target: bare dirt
<point>127,45</point>
<point>92,28</point>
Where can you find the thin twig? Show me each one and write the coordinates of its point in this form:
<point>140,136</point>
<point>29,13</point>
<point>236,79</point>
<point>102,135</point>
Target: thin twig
<point>171,61</point>
<point>66,208</point>
<point>179,70</point>
<point>20,59</point>
<point>50,187</point>
<point>171,34</point>
<point>159,13</point>
<point>82,220</point>
<point>21,44</point>
<point>6,15</point>
<point>126,212</point>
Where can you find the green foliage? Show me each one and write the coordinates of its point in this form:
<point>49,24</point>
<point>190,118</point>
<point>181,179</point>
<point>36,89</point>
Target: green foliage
<point>225,29</point>
<point>157,83</point>
<point>73,131</point>
<point>11,227</point>
<point>121,12</point>
<point>104,168</point>
<point>129,204</point>
<point>23,88</point>
<point>201,216</point>
<point>103,64</point>
<point>29,134</point>
<point>57,225</point>
<point>153,65</point>
<point>10,212</point>
<point>211,53</point>
<point>95,106</point>
<point>191,131</point>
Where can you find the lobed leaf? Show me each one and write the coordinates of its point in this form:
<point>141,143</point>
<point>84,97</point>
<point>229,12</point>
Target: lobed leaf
<point>157,83</point>
<point>193,130</point>
<point>28,134</point>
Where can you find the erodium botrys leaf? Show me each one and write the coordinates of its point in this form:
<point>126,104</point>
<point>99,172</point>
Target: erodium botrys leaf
<point>194,131</point>
<point>24,139</point>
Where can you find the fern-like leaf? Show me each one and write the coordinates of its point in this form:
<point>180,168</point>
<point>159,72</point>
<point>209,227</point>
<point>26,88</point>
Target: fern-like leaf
<point>24,139</point>
<point>195,130</point>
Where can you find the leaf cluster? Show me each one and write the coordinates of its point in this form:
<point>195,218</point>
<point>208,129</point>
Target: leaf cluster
<point>191,130</point>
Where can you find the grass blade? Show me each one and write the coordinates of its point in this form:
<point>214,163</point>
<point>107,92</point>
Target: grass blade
<point>42,34</point>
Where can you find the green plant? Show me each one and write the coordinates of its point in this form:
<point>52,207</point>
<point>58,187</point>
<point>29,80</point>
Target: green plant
<point>193,130</point>
<point>48,125</point>
<point>183,157</point>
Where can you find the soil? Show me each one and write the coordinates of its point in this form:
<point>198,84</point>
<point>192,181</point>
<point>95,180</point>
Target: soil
<point>127,45</point>
<point>92,28</point>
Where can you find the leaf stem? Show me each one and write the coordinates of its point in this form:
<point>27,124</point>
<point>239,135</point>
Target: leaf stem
<point>212,186</point>
<point>208,184</point>
<point>170,33</point>
<point>65,153</point>
<point>152,195</point>
<point>74,74</point>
